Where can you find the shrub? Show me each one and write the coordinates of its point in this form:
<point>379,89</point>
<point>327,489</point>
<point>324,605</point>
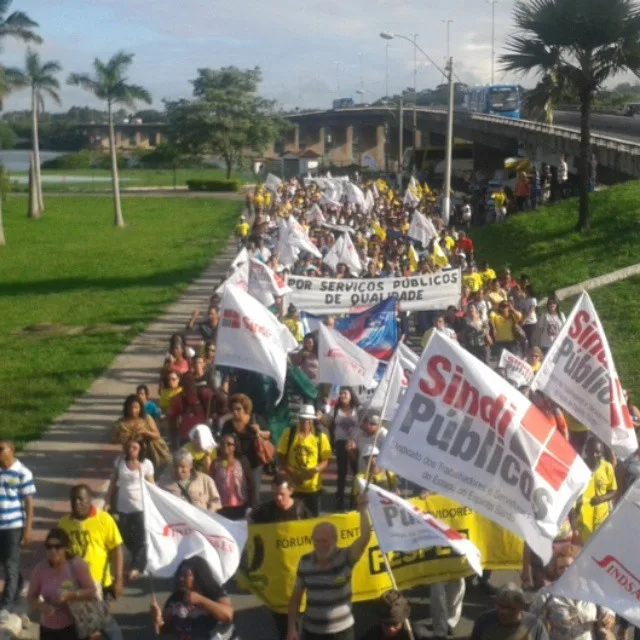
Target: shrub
<point>213,185</point>
<point>70,161</point>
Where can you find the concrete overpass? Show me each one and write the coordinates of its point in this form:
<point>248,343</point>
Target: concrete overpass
<point>369,136</point>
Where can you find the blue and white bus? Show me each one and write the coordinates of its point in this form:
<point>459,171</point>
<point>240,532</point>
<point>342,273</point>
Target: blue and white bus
<point>495,99</point>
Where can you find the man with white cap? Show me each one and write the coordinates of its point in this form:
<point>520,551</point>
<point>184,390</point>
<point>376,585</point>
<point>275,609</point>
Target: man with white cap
<point>303,454</point>
<point>366,436</point>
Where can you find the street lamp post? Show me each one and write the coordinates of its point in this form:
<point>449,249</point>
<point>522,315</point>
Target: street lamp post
<point>447,24</point>
<point>386,70</point>
<point>415,91</point>
<point>448,73</point>
<point>493,36</point>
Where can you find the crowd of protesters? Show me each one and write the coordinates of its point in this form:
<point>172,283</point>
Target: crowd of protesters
<point>201,435</point>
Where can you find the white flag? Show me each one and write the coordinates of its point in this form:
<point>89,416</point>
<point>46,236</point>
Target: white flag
<point>241,258</point>
<point>297,236</point>
<point>342,362</point>
<point>402,526</point>
<point>465,432</point>
<point>355,195</point>
<point>176,530</point>
<point>607,571</point>
<point>314,214</point>
<point>516,369</point>
<point>394,382</point>
<point>239,278</point>
<point>272,182</point>
<point>265,283</point>
<point>369,202</point>
<point>251,337</point>
<point>579,374</point>
<point>421,229</point>
<point>344,251</point>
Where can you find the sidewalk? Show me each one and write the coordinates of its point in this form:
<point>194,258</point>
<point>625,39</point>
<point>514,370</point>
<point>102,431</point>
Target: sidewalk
<point>76,449</point>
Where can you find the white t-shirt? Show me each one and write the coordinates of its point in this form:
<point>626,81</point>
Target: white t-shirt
<point>563,172</point>
<point>363,441</point>
<point>130,485</point>
<point>524,306</point>
<point>346,425</point>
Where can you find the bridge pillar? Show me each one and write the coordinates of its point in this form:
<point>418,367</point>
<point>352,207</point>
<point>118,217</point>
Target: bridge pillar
<point>341,153</point>
<point>418,139</point>
<point>313,139</point>
<point>118,137</point>
<point>138,139</point>
<point>292,140</point>
<point>372,141</point>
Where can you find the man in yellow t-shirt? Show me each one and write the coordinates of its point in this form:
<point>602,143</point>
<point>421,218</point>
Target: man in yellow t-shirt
<point>487,273</point>
<point>502,324</point>
<point>242,228</point>
<point>303,454</point>
<point>95,538</point>
<point>473,280</point>
<point>595,504</point>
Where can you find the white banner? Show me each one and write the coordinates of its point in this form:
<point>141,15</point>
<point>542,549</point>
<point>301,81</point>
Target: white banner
<point>463,431</point>
<point>394,382</point>
<point>241,258</point>
<point>579,374</point>
<point>422,229</point>
<point>272,182</point>
<point>297,236</point>
<point>607,571</point>
<point>340,228</point>
<point>251,337</point>
<point>516,369</point>
<point>239,278</point>
<point>342,362</point>
<point>354,195</point>
<point>344,251</point>
<point>265,283</point>
<point>314,214</point>
<point>176,530</point>
<point>434,291</point>
<point>402,526</point>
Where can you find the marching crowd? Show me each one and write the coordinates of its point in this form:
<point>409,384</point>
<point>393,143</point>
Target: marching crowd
<point>205,435</point>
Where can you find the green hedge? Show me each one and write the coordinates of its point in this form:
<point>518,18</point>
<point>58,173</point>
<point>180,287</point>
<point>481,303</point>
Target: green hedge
<point>84,159</point>
<point>213,185</point>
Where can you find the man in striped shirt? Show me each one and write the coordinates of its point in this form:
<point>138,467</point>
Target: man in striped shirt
<point>325,574</point>
<point>16,517</point>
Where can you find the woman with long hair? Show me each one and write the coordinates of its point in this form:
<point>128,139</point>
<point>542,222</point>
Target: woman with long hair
<point>232,476</point>
<point>198,609</point>
<point>549,324</point>
<point>55,583</point>
<point>135,423</point>
<point>345,429</point>
<point>125,494</point>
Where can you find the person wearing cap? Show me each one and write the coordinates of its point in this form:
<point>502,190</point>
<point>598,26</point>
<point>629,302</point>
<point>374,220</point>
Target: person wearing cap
<point>366,436</point>
<point>380,477</point>
<point>202,447</point>
<point>303,454</point>
<point>242,231</point>
<point>509,619</point>
<point>393,612</point>
<point>292,322</point>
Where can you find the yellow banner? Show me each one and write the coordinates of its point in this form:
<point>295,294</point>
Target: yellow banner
<point>271,556</point>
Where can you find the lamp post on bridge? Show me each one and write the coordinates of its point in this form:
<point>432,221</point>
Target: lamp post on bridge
<point>448,73</point>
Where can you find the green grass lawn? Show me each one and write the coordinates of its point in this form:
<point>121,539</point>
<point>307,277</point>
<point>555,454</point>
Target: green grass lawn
<point>101,179</point>
<point>545,246</point>
<point>73,267</point>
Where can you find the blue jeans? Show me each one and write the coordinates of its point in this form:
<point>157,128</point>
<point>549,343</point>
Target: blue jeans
<point>10,564</point>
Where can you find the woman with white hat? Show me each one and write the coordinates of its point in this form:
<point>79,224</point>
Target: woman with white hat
<point>303,454</point>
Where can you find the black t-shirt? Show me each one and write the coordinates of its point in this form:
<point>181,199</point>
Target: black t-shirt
<point>488,627</point>
<point>189,622</point>
<point>208,332</point>
<point>269,512</point>
<point>247,447</point>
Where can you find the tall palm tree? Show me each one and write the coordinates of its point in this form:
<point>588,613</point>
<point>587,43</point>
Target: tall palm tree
<point>40,78</point>
<point>110,84</point>
<point>585,43</point>
<point>20,26</point>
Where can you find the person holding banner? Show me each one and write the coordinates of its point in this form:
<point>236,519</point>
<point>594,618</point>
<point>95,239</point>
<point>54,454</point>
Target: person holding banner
<point>328,615</point>
<point>198,609</point>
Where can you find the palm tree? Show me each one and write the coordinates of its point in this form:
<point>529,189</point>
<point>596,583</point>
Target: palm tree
<point>110,84</point>
<point>585,43</point>
<point>40,78</point>
<point>20,26</point>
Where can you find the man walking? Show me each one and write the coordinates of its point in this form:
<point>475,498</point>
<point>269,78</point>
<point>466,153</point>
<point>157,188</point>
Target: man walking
<point>563,177</point>
<point>16,517</point>
<point>325,575</point>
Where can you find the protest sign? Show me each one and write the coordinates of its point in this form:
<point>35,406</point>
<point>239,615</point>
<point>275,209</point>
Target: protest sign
<point>433,291</point>
<point>340,362</point>
<point>607,571</point>
<point>579,374</point>
<point>465,432</point>
<point>516,369</point>
<point>176,530</point>
<point>401,525</point>
<point>251,337</point>
<point>268,567</point>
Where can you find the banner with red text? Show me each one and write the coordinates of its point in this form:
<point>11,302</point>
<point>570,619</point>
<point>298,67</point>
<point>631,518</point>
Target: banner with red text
<point>516,369</point>
<point>579,374</point>
<point>464,431</point>
<point>607,571</point>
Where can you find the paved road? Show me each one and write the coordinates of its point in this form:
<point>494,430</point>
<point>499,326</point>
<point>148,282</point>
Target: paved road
<point>621,127</point>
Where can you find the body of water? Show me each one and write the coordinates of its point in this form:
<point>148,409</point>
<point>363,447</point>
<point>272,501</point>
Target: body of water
<point>18,160</point>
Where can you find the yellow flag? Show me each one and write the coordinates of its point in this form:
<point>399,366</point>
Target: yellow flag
<point>413,258</point>
<point>379,231</point>
<point>439,256</point>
